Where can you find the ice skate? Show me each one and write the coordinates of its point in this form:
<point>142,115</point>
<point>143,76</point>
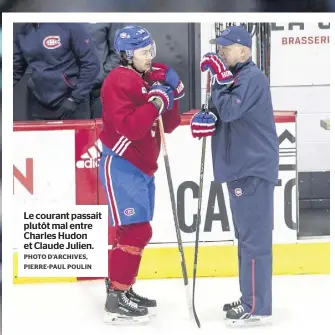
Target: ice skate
<point>142,301</point>
<point>227,307</point>
<point>119,309</point>
<point>238,316</point>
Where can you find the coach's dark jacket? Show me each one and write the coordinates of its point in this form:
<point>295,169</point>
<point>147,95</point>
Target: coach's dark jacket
<point>245,142</point>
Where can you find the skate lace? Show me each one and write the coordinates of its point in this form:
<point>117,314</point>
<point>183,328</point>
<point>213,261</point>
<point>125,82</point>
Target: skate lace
<point>238,309</point>
<point>128,302</point>
<point>138,296</point>
<point>236,303</point>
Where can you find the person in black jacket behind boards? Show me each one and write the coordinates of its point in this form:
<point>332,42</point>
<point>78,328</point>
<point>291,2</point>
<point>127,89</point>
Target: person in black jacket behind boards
<point>102,35</point>
<point>64,68</point>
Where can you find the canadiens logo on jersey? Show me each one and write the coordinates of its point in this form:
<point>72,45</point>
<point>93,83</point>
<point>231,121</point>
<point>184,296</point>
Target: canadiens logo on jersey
<point>52,42</point>
<point>238,192</point>
<point>129,211</point>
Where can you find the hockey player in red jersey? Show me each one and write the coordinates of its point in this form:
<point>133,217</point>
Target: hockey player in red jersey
<point>134,95</point>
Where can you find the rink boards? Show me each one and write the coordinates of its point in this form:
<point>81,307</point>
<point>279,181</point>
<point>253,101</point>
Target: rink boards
<point>67,174</point>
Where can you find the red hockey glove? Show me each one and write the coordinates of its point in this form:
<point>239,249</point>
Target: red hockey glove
<point>203,124</point>
<point>164,74</point>
<point>164,94</point>
<point>210,61</point>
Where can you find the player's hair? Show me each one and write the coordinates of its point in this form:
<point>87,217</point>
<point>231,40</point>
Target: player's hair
<point>123,59</point>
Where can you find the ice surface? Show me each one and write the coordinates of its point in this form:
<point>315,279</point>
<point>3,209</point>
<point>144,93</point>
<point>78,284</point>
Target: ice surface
<point>77,308</point>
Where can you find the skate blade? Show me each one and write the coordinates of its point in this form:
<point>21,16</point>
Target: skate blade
<point>152,311</point>
<point>252,321</point>
<point>116,319</point>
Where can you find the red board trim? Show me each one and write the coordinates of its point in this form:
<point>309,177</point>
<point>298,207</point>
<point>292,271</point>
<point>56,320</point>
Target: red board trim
<point>280,117</point>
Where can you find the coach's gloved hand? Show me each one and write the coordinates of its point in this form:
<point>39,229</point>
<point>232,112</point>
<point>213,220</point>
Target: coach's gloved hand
<point>164,96</point>
<point>210,61</point>
<point>203,124</point>
<point>168,76</point>
<point>67,109</point>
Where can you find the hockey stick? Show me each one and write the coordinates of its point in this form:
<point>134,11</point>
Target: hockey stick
<point>262,38</point>
<point>268,48</point>
<point>175,214</point>
<point>258,51</point>
<point>201,183</point>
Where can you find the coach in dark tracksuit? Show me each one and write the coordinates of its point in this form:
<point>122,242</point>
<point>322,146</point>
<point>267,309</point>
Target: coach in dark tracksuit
<point>63,66</point>
<point>245,154</point>
<point>102,35</point>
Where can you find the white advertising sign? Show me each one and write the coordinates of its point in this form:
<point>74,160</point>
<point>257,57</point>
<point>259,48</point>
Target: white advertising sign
<point>216,224</point>
<point>184,155</point>
<point>44,172</point>
<point>43,168</point>
<point>300,54</point>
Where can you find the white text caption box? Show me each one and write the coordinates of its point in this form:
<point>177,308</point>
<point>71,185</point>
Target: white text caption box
<point>63,241</point>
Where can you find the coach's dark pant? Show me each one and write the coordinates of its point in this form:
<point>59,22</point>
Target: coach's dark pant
<point>37,111</point>
<point>251,202</point>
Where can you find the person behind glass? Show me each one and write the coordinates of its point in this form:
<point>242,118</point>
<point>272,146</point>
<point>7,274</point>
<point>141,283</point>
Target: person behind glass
<point>63,66</point>
<point>102,34</point>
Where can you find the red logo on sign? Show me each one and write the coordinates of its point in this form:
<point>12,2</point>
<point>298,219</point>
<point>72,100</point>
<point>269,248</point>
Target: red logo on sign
<point>52,42</point>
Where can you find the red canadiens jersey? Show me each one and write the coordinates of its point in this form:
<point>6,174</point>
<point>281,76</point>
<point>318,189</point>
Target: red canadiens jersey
<point>130,123</point>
